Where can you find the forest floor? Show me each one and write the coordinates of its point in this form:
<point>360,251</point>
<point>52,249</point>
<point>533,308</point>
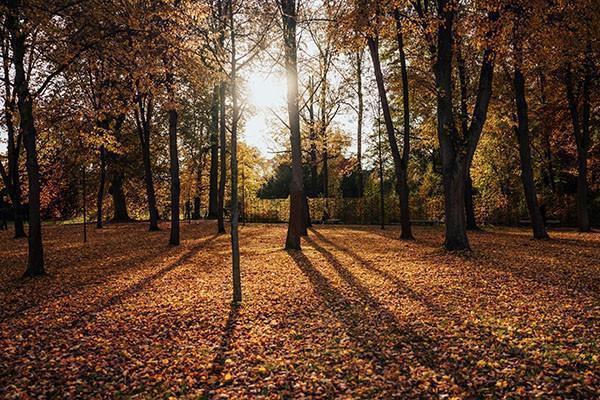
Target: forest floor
<point>356,314</point>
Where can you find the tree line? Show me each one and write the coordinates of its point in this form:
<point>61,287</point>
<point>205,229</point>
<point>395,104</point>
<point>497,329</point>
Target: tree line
<point>154,89</point>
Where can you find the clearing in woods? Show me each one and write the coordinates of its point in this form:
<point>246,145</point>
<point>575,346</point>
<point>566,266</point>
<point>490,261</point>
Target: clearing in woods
<point>357,313</point>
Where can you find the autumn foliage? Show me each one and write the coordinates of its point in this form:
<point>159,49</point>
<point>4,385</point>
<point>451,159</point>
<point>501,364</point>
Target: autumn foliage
<point>378,317</point>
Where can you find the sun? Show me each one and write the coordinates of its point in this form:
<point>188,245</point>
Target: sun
<point>266,96</point>
<point>266,90</point>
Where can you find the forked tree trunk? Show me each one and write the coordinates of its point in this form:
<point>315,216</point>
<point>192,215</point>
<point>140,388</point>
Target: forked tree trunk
<point>453,161</point>
<point>522,132</point>
<point>297,214</point>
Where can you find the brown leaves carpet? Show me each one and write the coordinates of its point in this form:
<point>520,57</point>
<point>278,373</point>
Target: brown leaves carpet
<point>357,314</point>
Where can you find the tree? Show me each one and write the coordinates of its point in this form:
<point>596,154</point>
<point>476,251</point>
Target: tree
<point>296,223</point>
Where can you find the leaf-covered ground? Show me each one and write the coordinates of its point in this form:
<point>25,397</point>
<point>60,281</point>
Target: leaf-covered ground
<point>357,314</point>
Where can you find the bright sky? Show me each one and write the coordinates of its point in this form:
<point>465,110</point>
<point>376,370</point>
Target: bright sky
<point>267,91</point>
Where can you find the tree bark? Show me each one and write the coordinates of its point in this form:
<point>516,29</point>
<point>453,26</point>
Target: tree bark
<point>223,160</point>
<point>118,195</point>
<point>101,184</point>
<point>297,216</point>
<point>235,244</point>
<point>522,132</point>
<point>581,133</point>
<point>35,256</point>
<point>10,175</point>
<point>174,164</point>
<point>213,202</point>
<point>402,187</point>
<point>453,161</point>
<point>143,120</point>
<point>403,181</point>
<point>359,121</point>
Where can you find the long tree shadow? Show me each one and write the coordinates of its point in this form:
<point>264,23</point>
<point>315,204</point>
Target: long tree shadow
<point>90,314</point>
<point>399,284</point>
<point>372,331</point>
<point>218,363</point>
<point>68,279</point>
<point>484,332</point>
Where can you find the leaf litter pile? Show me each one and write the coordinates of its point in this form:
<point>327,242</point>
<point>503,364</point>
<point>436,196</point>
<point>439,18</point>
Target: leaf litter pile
<point>356,314</point>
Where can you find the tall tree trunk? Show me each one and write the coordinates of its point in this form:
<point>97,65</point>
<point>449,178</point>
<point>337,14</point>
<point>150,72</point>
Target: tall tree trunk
<point>359,121</point>
<point>453,161</point>
<point>297,215</point>
<point>550,175</point>
<point>198,196</point>
<point>101,184</point>
<point>118,195</point>
<point>380,162</point>
<point>235,244</point>
<point>223,160</point>
<point>403,181</point>
<point>581,133</point>
<point>469,206</point>
<point>522,132</point>
<point>174,164</point>
<point>35,257</point>
<point>10,175</point>
<point>464,123</point>
<point>150,193</point>
<point>389,125</point>
<point>213,202</point>
<point>312,137</point>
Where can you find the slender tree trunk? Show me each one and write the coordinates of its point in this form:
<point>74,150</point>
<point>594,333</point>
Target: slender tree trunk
<point>453,161</point>
<point>522,132</point>
<point>150,193</point>
<point>551,180</point>
<point>35,257</point>
<point>402,187</point>
<point>312,137</point>
<point>403,181</point>
<point>11,178</point>
<point>380,162</point>
<point>581,133</point>
<point>198,196</point>
<point>235,245</point>
<point>174,165</point>
<point>101,184</point>
<point>295,224</point>
<point>464,123</point>
<point>223,174</point>
<point>213,202</point>
<point>359,121</point>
